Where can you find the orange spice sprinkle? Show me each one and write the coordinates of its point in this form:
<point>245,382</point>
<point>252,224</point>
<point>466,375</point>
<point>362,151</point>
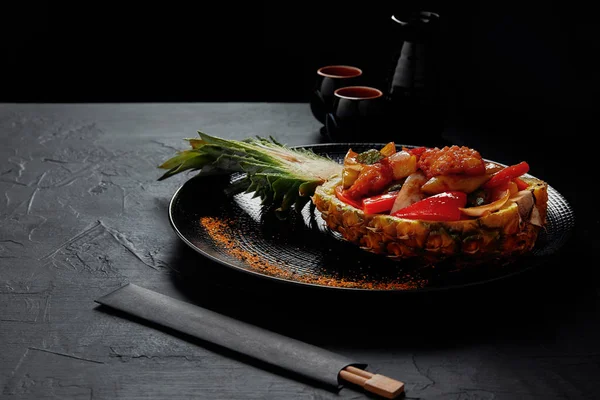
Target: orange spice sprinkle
<point>220,231</point>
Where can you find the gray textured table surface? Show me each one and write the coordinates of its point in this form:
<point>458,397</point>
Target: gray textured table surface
<point>82,213</point>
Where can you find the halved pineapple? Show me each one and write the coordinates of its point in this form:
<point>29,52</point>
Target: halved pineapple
<point>502,234</point>
<point>287,177</point>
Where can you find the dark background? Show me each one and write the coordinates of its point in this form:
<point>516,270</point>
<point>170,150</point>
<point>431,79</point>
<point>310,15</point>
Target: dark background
<point>519,55</point>
<point>518,73</point>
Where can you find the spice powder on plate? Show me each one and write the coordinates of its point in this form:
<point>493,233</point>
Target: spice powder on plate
<point>221,233</point>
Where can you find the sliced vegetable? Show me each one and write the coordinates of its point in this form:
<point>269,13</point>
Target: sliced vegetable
<point>342,195</point>
<point>521,184</point>
<point>497,192</point>
<point>349,176</point>
<point>410,192</point>
<point>388,149</point>
<point>351,168</point>
<point>486,209</point>
<point>460,183</point>
<point>440,207</point>
<point>350,158</point>
<point>379,204</point>
<point>506,174</point>
<point>525,202</point>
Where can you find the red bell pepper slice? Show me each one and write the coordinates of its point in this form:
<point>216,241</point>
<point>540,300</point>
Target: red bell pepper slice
<point>339,193</point>
<point>506,174</point>
<point>521,184</point>
<point>379,204</point>
<point>441,207</point>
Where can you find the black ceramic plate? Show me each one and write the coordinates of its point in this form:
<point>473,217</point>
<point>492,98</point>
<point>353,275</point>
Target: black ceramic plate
<point>239,233</point>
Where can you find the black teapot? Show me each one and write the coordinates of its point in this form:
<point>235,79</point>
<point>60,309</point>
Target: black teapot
<point>414,110</point>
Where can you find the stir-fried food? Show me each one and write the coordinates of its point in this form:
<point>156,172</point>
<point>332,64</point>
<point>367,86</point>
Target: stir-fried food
<point>451,183</point>
<point>435,204</point>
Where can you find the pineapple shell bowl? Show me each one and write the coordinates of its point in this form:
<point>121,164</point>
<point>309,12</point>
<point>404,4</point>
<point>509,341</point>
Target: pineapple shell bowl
<point>499,236</point>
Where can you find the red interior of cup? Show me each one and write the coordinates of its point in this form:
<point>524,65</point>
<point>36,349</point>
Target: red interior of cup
<point>358,92</point>
<point>339,71</point>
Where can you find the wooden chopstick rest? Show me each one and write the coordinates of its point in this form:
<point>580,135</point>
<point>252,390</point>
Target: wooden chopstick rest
<point>374,383</point>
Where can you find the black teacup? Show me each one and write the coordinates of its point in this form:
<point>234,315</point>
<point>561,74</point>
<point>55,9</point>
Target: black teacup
<point>357,115</point>
<point>329,79</point>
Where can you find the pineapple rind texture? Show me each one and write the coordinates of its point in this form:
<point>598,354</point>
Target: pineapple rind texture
<point>498,236</point>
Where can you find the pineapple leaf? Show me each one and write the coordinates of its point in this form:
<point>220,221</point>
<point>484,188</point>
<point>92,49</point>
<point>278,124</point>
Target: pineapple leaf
<point>182,162</point>
<point>279,175</point>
